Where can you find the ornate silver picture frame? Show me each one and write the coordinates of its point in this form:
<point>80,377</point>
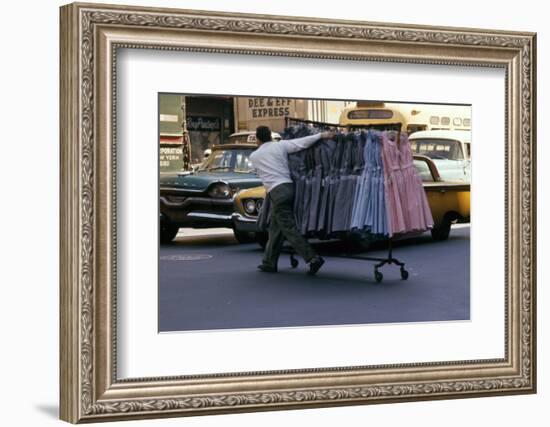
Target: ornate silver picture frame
<point>91,34</point>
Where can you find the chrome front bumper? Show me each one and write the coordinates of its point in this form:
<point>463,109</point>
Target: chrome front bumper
<point>198,212</point>
<point>243,223</point>
<point>206,215</point>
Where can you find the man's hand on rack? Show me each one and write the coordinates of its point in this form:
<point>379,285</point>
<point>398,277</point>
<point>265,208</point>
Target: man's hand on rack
<point>327,135</point>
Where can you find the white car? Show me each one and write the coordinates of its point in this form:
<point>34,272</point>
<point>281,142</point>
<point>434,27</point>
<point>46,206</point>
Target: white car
<point>449,150</point>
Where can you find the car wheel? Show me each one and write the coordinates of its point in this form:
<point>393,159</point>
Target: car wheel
<point>168,232</point>
<point>244,236</point>
<point>441,231</point>
<point>261,239</point>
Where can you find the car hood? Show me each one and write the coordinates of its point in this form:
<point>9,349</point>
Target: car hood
<point>199,181</point>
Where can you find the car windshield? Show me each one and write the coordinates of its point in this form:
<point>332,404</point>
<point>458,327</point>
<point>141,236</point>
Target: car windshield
<point>228,160</point>
<point>448,149</point>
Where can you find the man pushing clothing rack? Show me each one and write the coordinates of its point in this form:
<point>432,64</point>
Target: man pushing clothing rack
<point>270,160</point>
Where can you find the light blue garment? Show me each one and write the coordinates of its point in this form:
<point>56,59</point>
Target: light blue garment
<point>369,208</point>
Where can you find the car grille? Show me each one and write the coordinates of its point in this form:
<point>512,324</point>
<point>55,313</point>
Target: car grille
<point>213,208</point>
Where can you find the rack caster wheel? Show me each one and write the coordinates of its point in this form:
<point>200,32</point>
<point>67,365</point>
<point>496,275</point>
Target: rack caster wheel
<point>378,276</point>
<point>404,274</point>
<point>294,262</point>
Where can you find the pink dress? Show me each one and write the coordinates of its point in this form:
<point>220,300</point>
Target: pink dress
<point>406,202</point>
<point>393,183</point>
<point>417,212</point>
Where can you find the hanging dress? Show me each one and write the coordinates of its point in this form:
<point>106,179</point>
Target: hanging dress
<point>417,212</point>
<point>362,190</point>
<point>393,184</point>
<point>327,154</point>
<point>377,218</point>
<point>333,182</point>
<point>344,183</point>
<point>317,177</point>
<point>369,209</point>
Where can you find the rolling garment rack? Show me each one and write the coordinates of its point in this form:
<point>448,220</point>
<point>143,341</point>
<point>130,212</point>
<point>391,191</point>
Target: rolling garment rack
<point>389,259</point>
<point>378,276</point>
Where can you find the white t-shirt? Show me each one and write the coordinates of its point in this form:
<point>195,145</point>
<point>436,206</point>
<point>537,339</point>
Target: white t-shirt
<point>271,159</point>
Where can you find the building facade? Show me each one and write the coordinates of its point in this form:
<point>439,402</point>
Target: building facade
<point>210,120</point>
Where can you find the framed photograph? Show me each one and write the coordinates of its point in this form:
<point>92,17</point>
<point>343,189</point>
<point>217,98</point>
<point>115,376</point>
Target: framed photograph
<point>270,212</point>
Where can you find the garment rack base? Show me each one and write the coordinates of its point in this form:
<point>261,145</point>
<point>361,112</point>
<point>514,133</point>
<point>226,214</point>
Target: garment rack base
<point>378,276</point>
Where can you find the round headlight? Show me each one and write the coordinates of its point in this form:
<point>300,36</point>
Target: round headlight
<point>259,204</point>
<point>220,191</point>
<point>250,206</point>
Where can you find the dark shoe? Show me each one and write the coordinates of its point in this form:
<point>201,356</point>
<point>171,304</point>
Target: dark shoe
<point>315,264</point>
<point>267,268</point>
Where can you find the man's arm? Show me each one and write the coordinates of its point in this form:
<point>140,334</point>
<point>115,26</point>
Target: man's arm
<point>297,144</point>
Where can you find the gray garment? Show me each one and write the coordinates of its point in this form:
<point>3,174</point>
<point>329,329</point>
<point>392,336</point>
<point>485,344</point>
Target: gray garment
<point>283,227</point>
<point>307,207</point>
<point>327,154</point>
<point>315,190</point>
<point>341,197</point>
<point>333,182</point>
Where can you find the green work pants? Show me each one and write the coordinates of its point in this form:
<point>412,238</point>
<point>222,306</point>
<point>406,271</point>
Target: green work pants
<point>282,227</point>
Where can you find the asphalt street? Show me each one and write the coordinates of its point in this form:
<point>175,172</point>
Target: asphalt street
<point>209,281</point>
